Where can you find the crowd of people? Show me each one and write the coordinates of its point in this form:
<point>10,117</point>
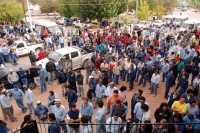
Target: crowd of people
<point>143,57</point>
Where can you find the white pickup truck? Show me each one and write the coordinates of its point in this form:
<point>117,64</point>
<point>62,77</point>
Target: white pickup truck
<point>79,24</point>
<point>24,48</point>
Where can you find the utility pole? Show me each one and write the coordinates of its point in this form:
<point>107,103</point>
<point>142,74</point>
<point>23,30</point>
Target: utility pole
<point>29,15</point>
<point>136,10</point>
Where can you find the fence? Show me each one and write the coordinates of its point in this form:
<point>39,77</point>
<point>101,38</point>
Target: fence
<point>128,127</point>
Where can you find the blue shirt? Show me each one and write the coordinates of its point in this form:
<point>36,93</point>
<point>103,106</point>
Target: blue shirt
<point>17,94</point>
<point>169,79</point>
<point>138,111</point>
<point>5,101</point>
<point>87,110</point>
<point>195,120</point>
<point>100,91</point>
<point>60,112</point>
<point>72,96</point>
<point>54,127</point>
<point>101,115</point>
<point>38,109</point>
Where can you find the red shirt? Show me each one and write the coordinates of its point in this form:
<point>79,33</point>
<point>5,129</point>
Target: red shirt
<point>41,55</point>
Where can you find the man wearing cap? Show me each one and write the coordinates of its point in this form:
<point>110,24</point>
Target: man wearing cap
<point>92,84</point>
<point>60,114</point>
<point>23,76</point>
<point>100,92</point>
<point>13,78</point>
<point>71,95</point>
<point>18,96</point>
<point>41,111</point>
<point>29,98</point>
<point>6,105</point>
<point>42,78</point>
<point>155,80</point>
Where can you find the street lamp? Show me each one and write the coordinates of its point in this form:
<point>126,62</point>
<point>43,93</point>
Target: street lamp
<point>29,15</point>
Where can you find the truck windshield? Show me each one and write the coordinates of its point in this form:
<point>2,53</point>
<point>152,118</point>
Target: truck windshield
<point>54,28</point>
<point>54,56</point>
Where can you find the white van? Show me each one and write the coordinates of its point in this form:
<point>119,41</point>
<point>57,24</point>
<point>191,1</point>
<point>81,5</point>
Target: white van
<point>190,25</point>
<point>178,20</point>
<point>49,26</point>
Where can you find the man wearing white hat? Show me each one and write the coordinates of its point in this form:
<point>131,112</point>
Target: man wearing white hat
<point>13,78</point>
<point>6,105</point>
<point>60,113</point>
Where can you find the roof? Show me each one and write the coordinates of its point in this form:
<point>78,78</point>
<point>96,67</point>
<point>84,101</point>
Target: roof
<point>192,21</point>
<point>15,68</point>
<point>44,22</point>
<point>66,50</point>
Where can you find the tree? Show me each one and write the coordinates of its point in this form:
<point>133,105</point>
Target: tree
<point>47,6</point>
<point>158,11</point>
<point>11,11</point>
<point>68,10</point>
<point>143,10</point>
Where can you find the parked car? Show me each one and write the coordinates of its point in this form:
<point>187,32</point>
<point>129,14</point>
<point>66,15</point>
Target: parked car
<point>52,14</point>
<point>5,71</point>
<point>158,23</point>
<point>41,14</point>
<point>74,56</point>
<point>142,25</point>
<point>64,21</point>
<point>23,47</point>
<point>80,24</point>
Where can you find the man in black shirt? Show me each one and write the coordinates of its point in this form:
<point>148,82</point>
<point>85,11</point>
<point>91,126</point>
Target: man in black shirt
<point>50,68</point>
<point>34,71</point>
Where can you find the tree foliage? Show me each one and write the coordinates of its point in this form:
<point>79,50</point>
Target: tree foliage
<point>158,11</point>
<point>48,6</point>
<point>143,10</point>
<point>92,9</point>
<point>11,11</point>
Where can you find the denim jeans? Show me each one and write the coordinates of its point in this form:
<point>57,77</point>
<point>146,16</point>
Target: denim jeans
<point>2,61</point>
<point>43,85</point>
<point>122,72</point>
<point>80,90</point>
<point>50,76</point>
<point>7,57</point>
<point>143,80</point>
<point>100,128</point>
<point>62,45</point>
<point>13,58</point>
<point>116,79</point>
<point>87,76</point>
<point>164,76</point>
<point>154,88</point>
<point>73,130</point>
<point>131,83</point>
<point>167,90</point>
<point>126,75</point>
<point>63,126</point>
<point>20,104</point>
<point>24,81</point>
<point>30,107</point>
<point>19,85</point>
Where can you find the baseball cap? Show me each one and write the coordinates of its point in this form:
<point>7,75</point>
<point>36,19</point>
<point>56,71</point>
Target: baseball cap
<point>16,86</point>
<point>57,101</point>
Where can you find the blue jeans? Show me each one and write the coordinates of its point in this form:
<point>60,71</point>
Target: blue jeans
<point>122,72</point>
<point>164,76</point>
<point>62,45</point>
<point>143,80</point>
<point>7,57</point>
<point>182,91</point>
<point>20,104</point>
<point>100,128</point>
<point>19,85</point>
<point>116,78</point>
<point>131,83</point>
<point>154,88</point>
<point>13,58</point>
<point>2,61</point>
<point>24,81</point>
<point>167,90</point>
<point>126,74</point>
<point>43,85</point>
<point>31,107</point>
<point>87,76</point>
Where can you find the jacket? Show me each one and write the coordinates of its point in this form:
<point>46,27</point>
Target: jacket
<point>72,96</point>
<point>50,67</point>
<point>54,127</point>
<point>160,114</point>
<point>79,79</point>
<point>22,74</point>
<point>71,76</point>
<point>62,78</point>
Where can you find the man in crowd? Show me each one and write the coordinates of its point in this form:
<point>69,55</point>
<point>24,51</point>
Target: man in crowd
<point>18,96</point>
<point>29,99</point>
<point>50,69</point>
<point>42,79</point>
<point>41,111</point>
<point>6,105</point>
<point>71,95</point>
<point>87,109</point>
<point>100,117</point>
<point>13,78</point>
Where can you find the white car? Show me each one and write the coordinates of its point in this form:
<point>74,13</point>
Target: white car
<point>158,23</point>
<point>142,25</point>
<point>78,23</point>
<point>74,57</point>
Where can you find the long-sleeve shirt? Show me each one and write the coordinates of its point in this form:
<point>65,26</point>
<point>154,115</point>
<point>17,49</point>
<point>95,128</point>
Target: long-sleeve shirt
<point>138,111</point>
<point>155,78</point>
<point>87,110</point>
<point>101,115</point>
<point>17,94</point>
<point>165,68</point>
<point>5,101</point>
<point>109,91</point>
<point>13,77</point>
<point>42,74</point>
<point>54,127</point>
<point>60,112</point>
<point>29,98</point>
<point>113,128</point>
<point>100,91</point>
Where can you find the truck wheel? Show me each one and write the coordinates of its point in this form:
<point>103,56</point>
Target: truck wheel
<point>32,85</point>
<point>84,64</point>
